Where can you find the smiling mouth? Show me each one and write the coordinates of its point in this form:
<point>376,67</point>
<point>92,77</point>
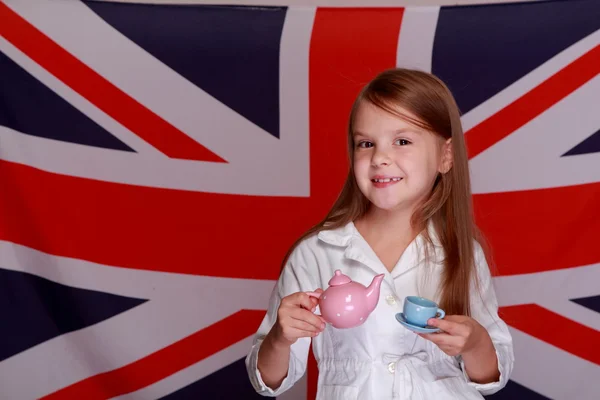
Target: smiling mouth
<point>386,180</point>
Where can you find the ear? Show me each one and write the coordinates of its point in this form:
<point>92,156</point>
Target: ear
<point>446,161</point>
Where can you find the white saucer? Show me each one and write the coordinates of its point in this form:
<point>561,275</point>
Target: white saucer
<point>419,329</point>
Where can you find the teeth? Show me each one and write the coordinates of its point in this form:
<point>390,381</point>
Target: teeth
<point>386,180</point>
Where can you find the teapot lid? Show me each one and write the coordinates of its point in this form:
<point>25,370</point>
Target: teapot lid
<point>339,279</point>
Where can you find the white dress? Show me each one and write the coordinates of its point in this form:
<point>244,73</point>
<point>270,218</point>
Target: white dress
<point>380,359</point>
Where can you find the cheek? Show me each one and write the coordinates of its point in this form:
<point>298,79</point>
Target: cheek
<point>421,168</point>
<point>361,165</point>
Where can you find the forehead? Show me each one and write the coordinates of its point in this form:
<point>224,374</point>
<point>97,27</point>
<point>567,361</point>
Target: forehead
<point>372,120</point>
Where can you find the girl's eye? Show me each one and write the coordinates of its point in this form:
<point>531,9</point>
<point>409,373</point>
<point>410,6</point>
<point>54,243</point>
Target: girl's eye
<point>365,145</point>
<point>401,142</point>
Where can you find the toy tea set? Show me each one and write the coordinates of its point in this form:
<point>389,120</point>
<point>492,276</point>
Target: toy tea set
<point>347,304</point>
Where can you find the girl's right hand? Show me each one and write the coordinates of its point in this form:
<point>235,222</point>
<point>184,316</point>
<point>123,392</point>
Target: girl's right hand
<point>295,318</point>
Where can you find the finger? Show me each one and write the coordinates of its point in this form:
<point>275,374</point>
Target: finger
<point>450,350</point>
<point>456,318</point>
<point>309,317</point>
<point>320,318</point>
<point>303,326</point>
<point>445,341</point>
<point>300,334</point>
<point>315,303</point>
<point>448,326</point>
<point>315,300</point>
<point>301,299</point>
<point>440,339</point>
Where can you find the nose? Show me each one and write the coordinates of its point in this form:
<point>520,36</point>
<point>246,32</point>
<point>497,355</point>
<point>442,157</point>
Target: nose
<point>380,158</point>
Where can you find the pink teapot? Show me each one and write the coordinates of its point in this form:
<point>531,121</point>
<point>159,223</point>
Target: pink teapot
<point>347,304</point>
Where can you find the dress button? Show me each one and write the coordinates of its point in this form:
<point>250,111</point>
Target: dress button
<point>391,367</point>
<point>391,300</point>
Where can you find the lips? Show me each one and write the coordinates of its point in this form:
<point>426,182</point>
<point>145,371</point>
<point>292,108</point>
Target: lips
<point>385,181</point>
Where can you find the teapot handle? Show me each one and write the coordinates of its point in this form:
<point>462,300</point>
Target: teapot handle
<point>316,295</point>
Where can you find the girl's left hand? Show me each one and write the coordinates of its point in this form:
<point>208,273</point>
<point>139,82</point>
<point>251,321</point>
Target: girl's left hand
<point>459,335</point>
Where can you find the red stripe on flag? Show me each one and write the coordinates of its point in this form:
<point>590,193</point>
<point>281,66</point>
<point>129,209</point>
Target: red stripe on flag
<point>348,48</point>
<point>103,94</point>
<point>541,230</point>
<point>165,362</point>
<point>554,329</point>
<point>533,103</point>
<point>152,228</point>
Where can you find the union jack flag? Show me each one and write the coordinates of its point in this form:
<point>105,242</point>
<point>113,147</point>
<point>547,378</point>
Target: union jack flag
<point>157,161</point>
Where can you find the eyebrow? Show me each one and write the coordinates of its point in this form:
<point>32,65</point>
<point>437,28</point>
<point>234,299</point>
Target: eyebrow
<point>396,132</point>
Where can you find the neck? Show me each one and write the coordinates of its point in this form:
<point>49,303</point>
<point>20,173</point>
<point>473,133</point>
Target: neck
<point>388,223</point>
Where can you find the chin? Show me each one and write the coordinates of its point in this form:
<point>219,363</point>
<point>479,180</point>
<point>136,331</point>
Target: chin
<point>400,202</point>
<point>387,205</point>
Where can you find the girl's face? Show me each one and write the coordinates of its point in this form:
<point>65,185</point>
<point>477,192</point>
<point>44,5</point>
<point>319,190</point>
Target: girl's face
<point>395,162</point>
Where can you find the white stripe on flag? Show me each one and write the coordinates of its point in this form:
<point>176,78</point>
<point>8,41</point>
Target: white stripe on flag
<point>530,157</point>
<point>417,34</point>
<point>552,372</point>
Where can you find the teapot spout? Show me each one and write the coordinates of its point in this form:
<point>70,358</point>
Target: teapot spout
<point>372,294</point>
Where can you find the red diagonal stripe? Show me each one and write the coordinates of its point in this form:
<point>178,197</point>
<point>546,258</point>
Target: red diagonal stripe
<point>533,103</point>
<point>555,329</point>
<point>165,362</point>
<point>99,91</point>
<point>541,230</point>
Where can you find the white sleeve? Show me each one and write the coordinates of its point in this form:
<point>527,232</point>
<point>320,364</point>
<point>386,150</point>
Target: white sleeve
<point>295,277</point>
<point>484,309</point>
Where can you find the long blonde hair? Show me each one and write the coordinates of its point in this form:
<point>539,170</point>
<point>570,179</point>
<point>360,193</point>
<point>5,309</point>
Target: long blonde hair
<point>449,205</point>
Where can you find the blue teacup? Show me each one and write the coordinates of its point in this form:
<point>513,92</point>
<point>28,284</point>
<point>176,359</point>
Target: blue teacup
<point>418,310</point>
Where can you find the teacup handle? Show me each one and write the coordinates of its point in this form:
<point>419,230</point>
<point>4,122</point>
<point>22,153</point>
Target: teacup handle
<point>441,313</point>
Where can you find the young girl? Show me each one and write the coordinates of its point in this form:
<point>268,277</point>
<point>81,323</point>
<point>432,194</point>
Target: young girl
<point>404,211</point>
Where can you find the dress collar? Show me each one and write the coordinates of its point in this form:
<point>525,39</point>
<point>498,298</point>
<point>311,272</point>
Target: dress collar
<point>357,248</point>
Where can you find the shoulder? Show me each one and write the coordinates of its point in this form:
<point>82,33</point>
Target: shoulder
<point>481,270</point>
<point>304,257</point>
<point>309,261</point>
<point>478,252</point>
<point>320,245</point>
<point>304,248</point>
<point>338,237</point>
<point>480,257</point>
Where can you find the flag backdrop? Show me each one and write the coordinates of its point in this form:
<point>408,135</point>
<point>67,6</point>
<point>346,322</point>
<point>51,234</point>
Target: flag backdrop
<point>157,161</point>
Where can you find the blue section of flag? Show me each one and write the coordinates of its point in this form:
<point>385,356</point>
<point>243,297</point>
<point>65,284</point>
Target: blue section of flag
<point>28,106</point>
<point>514,391</point>
<point>227,383</point>
<point>499,44</point>
<point>34,310</point>
<point>232,53</point>
<point>589,145</point>
<point>593,302</point>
